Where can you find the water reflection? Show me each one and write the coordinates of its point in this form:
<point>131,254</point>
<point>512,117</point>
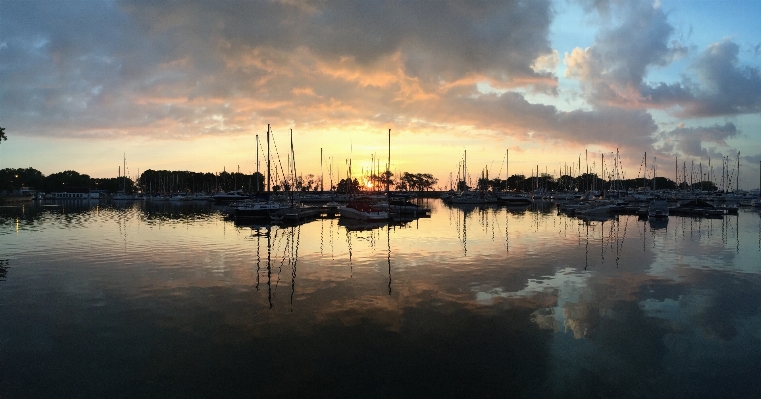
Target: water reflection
<point>165,300</point>
<point>4,265</point>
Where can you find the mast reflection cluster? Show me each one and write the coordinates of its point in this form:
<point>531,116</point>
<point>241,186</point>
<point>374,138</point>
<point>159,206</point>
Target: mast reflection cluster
<point>539,303</point>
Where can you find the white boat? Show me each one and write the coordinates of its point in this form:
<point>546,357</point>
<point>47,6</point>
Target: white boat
<point>122,196</point>
<point>597,208</point>
<point>361,208</point>
<point>83,194</point>
<point>402,206</point>
<point>469,197</point>
<point>658,209</point>
<point>231,196</point>
<point>200,197</point>
<point>509,198</point>
<point>255,209</point>
<point>179,197</point>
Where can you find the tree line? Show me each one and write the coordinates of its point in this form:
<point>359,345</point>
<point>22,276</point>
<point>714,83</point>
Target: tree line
<point>167,181</point>
<point>585,182</point>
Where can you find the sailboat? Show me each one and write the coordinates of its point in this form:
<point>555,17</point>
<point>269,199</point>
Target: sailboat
<point>122,194</point>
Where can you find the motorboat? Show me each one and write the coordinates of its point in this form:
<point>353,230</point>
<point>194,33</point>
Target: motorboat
<point>697,207</point>
<point>401,205</point>
<point>179,197</point>
<point>658,209</point>
<point>597,208</point>
<point>255,209</point>
<point>122,196</point>
<point>361,208</point>
<point>232,196</point>
<point>469,197</point>
<point>510,198</point>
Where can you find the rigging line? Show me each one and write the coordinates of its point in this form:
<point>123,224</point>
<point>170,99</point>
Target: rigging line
<point>282,261</point>
<point>277,153</point>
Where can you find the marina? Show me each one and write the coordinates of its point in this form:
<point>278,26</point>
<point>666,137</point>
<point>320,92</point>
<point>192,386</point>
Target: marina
<point>380,199</point>
<point>162,298</point>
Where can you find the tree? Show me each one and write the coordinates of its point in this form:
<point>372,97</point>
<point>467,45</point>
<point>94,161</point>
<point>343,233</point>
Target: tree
<point>68,179</point>
<point>516,182</point>
<point>417,181</point>
<point>13,179</point>
<point>348,186</point>
<point>3,137</point>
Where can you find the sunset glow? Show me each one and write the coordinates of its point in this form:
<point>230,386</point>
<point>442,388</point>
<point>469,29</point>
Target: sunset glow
<point>190,85</point>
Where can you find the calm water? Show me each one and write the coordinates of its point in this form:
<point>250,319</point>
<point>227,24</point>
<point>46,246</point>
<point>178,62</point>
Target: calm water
<point>159,300</point>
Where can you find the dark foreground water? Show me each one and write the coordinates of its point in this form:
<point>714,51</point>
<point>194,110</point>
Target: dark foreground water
<point>166,301</point>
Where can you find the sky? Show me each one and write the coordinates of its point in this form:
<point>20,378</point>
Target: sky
<point>516,85</point>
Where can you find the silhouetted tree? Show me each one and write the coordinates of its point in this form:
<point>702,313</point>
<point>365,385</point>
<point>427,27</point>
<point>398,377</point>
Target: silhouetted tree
<point>68,179</point>
<point>13,179</point>
<point>347,186</point>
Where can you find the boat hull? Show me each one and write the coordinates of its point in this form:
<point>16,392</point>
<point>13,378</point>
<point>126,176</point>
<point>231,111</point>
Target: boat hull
<point>356,214</point>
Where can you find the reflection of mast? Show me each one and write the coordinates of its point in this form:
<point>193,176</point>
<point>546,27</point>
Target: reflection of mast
<point>620,243</point>
<point>602,241</point>
<point>388,258</point>
<point>737,233</point>
<point>269,261</point>
<point>294,259</point>
<point>644,236</point>
<point>464,233</point>
<point>586,248</point>
<point>348,243</point>
<point>258,261</point>
<point>507,234</point>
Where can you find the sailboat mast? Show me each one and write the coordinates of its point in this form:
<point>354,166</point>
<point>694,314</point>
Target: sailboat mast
<point>257,163</point>
<point>644,174</point>
<point>293,175</point>
<point>388,165</point>
<point>293,160</point>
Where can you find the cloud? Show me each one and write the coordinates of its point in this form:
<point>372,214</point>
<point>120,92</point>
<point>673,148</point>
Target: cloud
<point>634,38</point>
<point>725,87</point>
<point>160,68</point>
<point>512,114</point>
<point>699,141</point>
<point>613,71</point>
